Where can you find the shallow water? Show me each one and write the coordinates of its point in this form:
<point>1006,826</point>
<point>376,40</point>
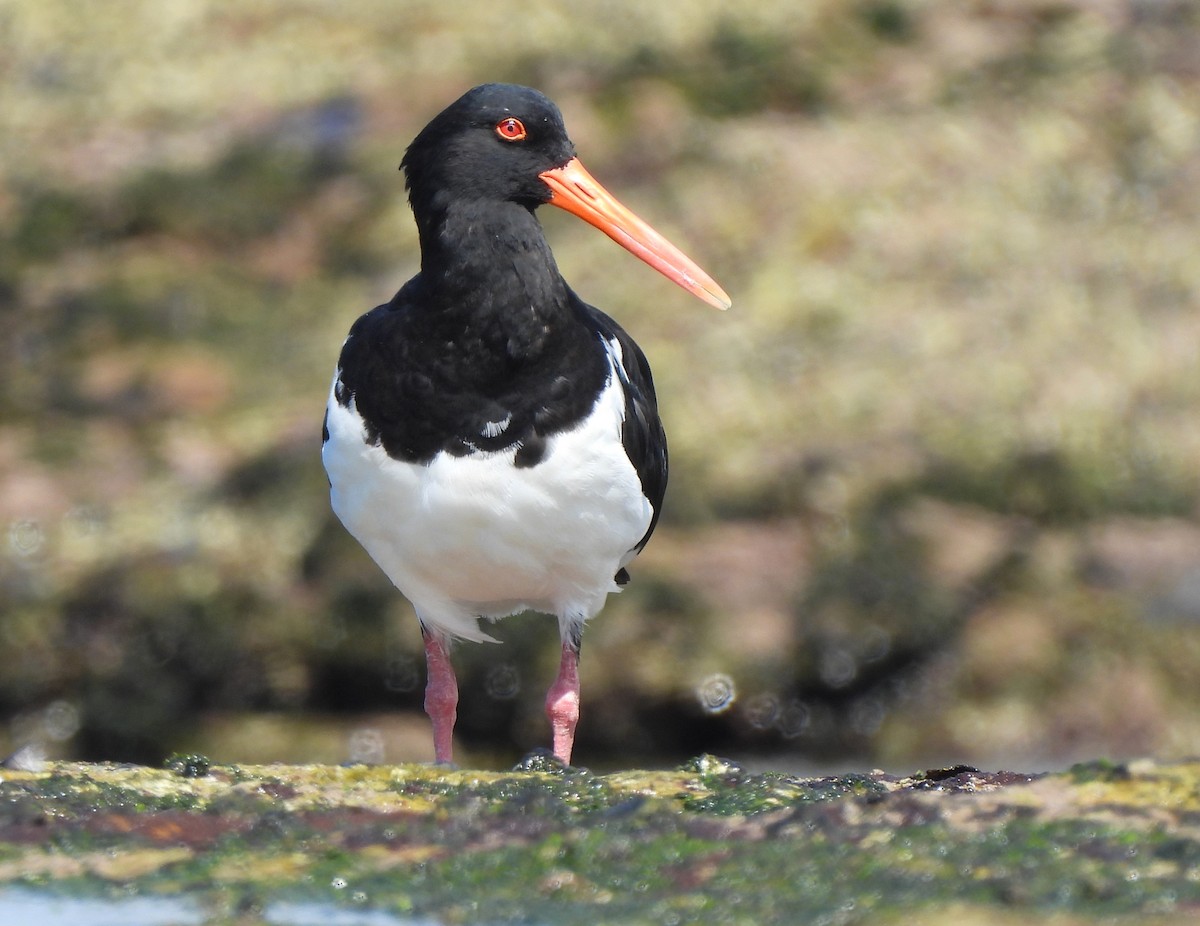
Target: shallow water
<point>29,908</point>
<point>32,908</point>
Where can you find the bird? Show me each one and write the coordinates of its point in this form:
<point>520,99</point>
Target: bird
<point>491,440</point>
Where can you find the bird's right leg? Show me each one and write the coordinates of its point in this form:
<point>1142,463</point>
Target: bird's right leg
<point>441,696</point>
<point>562,702</point>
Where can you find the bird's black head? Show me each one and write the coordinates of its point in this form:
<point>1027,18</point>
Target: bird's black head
<point>496,152</point>
<point>489,145</point>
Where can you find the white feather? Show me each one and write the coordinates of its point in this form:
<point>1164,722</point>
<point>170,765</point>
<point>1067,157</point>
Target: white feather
<point>474,536</point>
<point>496,428</point>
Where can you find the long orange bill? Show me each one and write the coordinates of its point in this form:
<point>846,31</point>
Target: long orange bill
<point>574,189</point>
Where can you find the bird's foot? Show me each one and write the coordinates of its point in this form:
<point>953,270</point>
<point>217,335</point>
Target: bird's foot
<point>541,760</point>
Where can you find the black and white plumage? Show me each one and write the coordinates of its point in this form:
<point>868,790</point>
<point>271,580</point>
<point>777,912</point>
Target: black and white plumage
<point>491,440</point>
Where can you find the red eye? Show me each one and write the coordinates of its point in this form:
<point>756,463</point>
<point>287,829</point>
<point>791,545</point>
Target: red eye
<point>510,129</point>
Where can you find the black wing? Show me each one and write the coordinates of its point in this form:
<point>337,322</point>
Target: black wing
<point>642,433</point>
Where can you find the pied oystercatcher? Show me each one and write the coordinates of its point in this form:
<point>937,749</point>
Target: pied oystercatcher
<point>491,440</point>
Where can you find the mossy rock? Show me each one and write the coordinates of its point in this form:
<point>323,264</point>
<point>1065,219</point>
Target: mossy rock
<point>709,842</point>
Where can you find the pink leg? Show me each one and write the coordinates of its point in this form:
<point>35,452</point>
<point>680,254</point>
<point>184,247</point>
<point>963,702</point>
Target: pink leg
<point>562,703</point>
<point>441,698</point>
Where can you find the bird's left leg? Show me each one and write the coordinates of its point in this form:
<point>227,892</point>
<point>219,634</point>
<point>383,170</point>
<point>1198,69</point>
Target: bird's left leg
<point>562,700</point>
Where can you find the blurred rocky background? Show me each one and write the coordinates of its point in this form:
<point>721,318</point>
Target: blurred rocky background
<point>935,486</point>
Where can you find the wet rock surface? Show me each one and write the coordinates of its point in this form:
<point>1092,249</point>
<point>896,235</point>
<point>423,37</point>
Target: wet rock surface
<point>707,842</point>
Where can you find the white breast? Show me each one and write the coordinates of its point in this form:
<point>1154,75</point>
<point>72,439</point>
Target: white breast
<point>474,536</point>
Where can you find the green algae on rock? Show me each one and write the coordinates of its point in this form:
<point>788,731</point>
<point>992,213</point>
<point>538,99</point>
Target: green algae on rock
<point>706,841</point>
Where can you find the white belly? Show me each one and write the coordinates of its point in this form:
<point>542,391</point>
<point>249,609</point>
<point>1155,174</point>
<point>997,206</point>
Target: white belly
<point>474,536</point>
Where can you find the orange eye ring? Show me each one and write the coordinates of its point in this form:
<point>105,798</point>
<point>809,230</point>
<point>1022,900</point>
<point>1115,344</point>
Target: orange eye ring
<point>511,129</point>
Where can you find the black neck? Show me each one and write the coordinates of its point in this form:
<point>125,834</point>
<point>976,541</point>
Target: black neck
<point>489,260</point>
<point>488,331</point>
